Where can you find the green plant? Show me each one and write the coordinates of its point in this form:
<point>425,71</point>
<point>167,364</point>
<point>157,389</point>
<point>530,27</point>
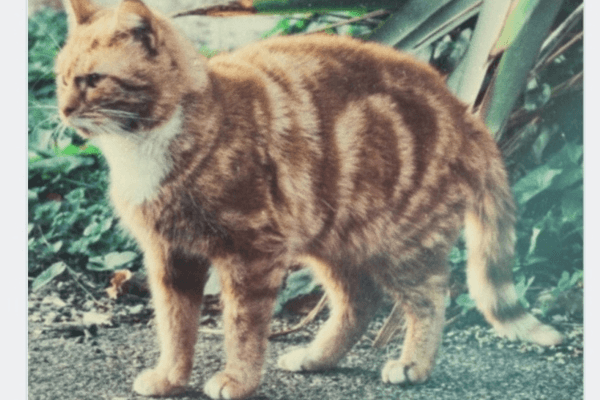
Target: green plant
<point>71,225</point>
<point>534,108</point>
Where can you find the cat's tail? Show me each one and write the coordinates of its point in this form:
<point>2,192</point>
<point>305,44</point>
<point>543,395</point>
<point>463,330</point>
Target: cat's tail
<point>490,238</point>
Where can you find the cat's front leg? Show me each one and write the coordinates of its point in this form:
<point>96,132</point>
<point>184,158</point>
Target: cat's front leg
<point>176,282</point>
<point>248,297</point>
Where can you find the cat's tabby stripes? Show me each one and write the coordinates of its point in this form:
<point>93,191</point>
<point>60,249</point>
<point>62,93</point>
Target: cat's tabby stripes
<point>345,156</point>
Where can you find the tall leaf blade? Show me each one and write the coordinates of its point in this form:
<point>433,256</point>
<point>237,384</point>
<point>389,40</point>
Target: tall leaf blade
<point>408,17</point>
<point>467,79</point>
<point>512,72</point>
<point>520,14</point>
<point>301,6</point>
<point>439,24</point>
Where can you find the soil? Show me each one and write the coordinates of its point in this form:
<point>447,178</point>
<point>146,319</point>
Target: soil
<point>81,348</point>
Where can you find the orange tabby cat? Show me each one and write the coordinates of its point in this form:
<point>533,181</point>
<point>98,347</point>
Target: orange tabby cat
<point>345,156</point>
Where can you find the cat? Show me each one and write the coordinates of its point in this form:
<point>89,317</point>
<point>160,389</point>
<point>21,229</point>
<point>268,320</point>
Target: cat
<point>345,156</point>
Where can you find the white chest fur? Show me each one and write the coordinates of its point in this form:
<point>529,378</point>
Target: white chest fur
<point>139,162</point>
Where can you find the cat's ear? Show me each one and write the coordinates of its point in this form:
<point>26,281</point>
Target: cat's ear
<point>134,16</point>
<point>79,11</point>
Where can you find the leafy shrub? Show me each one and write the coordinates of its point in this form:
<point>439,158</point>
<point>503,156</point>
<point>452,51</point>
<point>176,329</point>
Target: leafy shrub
<point>70,219</point>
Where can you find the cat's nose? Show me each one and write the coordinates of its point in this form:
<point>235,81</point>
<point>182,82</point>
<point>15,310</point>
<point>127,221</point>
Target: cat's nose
<point>68,110</point>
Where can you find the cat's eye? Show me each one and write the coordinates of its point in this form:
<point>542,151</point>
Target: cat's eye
<point>88,81</point>
<point>91,80</point>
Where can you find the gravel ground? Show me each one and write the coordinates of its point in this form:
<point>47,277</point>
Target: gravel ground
<point>81,349</point>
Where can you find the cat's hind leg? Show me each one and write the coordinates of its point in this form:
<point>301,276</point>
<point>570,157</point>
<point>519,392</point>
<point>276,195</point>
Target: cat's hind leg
<point>177,282</point>
<point>424,307</point>
<point>353,299</point>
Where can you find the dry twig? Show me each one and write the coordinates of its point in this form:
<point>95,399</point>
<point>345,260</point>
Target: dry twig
<point>305,321</point>
<point>393,324</point>
<point>300,325</point>
<point>348,21</point>
<point>230,9</point>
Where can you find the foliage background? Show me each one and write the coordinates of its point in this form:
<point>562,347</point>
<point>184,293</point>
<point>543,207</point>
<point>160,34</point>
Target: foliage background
<point>72,229</point>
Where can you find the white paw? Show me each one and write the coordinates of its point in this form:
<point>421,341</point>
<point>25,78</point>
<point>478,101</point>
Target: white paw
<point>398,373</point>
<point>153,383</point>
<point>216,388</point>
<point>295,360</point>
<point>236,385</point>
<point>142,384</point>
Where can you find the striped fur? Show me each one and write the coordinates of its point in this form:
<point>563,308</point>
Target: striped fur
<point>345,156</point>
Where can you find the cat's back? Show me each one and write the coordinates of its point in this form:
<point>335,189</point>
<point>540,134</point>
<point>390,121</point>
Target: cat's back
<point>334,62</point>
<point>355,135</point>
<point>327,78</point>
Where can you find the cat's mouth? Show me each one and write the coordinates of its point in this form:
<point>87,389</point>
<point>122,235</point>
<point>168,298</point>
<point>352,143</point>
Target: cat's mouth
<point>81,128</point>
<point>88,128</point>
<point>131,124</point>
<point>83,132</point>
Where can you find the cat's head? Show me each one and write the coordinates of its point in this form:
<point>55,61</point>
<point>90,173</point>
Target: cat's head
<point>122,70</point>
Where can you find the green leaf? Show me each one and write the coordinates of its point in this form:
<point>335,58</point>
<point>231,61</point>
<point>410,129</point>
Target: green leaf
<point>536,96</point>
<point>533,241</point>
<point>533,260</point>
<point>569,155</point>
<point>439,24</point>
<point>465,302</point>
<point>569,159</point>
<point>70,150</point>
<point>408,17</point>
<point>521,288</point>
<point>76,195</point>
<point>541,142</point>
<point>572,205</point>
<point>281,26</point>
<point>513,69</point>
<point>91,228</point>
<point>73,150</point>
<point>47,211</point>
<point>106,225</point>
<point>57,246</point>
<point>534,182</point>
<point>515,21</point>
<point>467,79</point>
<point>111,261</point>
<point>298,283</point>
<point>45,277</point>
<point>301,6</point>
<point>563,282</point>
<point>457,256</point>
<point>576,277</point>
<point>32,195</point>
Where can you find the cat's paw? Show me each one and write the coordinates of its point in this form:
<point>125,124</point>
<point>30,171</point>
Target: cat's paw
<point>155,383</point>
<point>295,360</point>
<point>400,373</point>
<point>225,386</point>
<point>304,359</point>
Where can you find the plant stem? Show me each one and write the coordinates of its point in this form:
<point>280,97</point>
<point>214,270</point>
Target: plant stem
<point>543,62</point>
<point>349,21</point>
<point>72,274</point>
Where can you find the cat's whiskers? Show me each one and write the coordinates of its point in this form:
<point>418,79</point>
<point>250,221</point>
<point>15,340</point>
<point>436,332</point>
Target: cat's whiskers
<point>40,106</point>
<point>51,118</point>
